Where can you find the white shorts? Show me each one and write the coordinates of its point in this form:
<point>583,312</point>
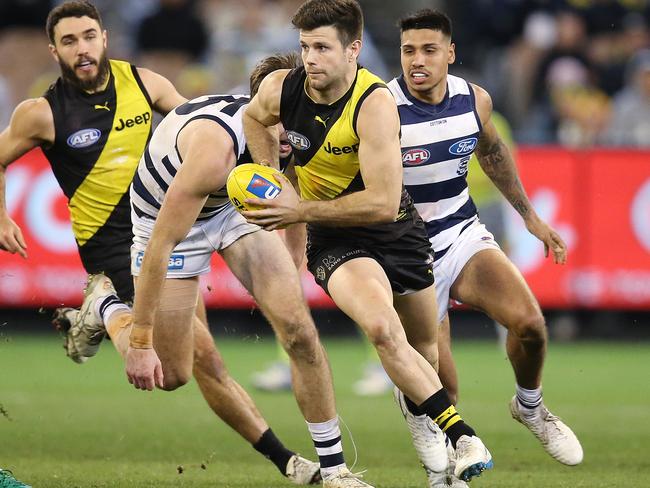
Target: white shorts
<point>191,257</point>
<point>447,269</point>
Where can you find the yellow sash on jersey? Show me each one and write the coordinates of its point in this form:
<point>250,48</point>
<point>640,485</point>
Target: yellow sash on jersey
<point>108,181</point>
<point>336,163</point>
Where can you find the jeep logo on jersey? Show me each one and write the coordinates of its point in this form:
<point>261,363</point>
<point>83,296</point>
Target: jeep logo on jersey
<point>463,147</point>
<point>84,138</point>
<point>298,140</point>
<point>262,188</point>
<point>336,150</point>
<point>137,120</point>
<point>413,157</point>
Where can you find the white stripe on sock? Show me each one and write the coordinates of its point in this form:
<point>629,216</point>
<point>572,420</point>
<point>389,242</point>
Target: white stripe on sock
<point>529,398</point>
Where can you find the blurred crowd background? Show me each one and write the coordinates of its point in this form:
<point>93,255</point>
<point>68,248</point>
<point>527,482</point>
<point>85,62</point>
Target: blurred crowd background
<point>568,72</point>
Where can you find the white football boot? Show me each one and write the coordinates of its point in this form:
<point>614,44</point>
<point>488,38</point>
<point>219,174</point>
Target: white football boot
<point>344,478</point>
<point>428,439</point>
<point>63,319</point>
<point>301,471</point>
<point>444,480</point>
<point>556,437</point>
<point>86,334</point>
<point>447,479</point>
<point>472,457</point>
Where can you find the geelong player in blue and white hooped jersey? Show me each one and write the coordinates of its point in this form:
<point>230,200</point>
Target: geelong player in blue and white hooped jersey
<point>444,119</point>
<point>181,215</point>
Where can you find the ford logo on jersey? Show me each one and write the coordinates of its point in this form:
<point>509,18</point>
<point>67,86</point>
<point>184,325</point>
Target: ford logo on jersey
<point>176,261</point>
<point>298,141</point>
<point>84,138</point>
<point>263,188</point>
<point>413,157</point>
<point>463,147</point>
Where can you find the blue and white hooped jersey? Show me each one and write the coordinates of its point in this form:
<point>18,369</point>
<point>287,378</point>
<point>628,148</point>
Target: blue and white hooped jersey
<point>437,142</point>
<point>161,160</point>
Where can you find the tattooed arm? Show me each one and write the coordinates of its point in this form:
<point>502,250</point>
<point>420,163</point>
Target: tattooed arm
<point>496,160</point>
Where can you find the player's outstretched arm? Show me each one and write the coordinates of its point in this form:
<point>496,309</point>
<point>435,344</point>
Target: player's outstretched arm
<point>31,125</point>
<point>498,163</point>
<point>162,92</point>
<point>260,118</point>
<point>208,155</point>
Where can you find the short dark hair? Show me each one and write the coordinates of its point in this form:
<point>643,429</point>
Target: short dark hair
<point>344,15</point>
<point>426,19</point>
<point>270,64</point>
<point>71,8</point>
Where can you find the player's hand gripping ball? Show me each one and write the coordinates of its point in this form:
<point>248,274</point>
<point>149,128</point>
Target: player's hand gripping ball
<point>252,181</point>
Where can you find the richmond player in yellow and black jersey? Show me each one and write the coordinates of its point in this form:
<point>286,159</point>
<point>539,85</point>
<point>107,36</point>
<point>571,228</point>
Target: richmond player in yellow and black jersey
<point>366,244</point>
<point>98,140</point>
<point>93,124</point>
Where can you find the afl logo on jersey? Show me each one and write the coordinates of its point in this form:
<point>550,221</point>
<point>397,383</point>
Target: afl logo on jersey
<point>413,157</point>
<point>298,141</point>
<point>84,138</point>
<point>463,147</point>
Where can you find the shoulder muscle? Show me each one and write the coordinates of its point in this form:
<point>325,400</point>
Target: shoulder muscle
<point>378,117</point>
<point>265,105</point>
<point>483,103</point>
<point>31,125</point>
<point>161,91</point>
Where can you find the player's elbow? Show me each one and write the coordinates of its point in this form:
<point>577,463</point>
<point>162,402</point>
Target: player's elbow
<point>388,211</point>
<point>250,120</point>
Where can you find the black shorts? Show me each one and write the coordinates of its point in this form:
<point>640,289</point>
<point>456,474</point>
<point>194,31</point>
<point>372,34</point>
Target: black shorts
<point>114,261</point>
<point>407,260</point>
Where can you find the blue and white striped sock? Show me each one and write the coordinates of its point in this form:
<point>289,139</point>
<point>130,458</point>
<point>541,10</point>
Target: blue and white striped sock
<point>529,399</point>
<point>108,305</point>
<point>327,439</point>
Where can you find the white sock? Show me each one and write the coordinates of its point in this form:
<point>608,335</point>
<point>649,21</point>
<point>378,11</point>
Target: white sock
<point>327,439</point>
<point>108,305</point>
<point>529,399</point>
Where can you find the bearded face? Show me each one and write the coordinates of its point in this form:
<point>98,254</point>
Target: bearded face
<point>80,49</point>
<point>86,73</point>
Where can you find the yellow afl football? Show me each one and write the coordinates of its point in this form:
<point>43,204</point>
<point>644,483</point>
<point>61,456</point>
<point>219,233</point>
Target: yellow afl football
<point>252,181</point>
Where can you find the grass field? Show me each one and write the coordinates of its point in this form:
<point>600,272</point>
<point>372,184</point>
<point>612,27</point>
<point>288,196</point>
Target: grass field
<point>84,426</point>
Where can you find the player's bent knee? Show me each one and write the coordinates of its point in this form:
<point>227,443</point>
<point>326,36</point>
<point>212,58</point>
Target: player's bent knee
<point>300,341</point>
<point>379,334</point>
<point>175,379</point>
<point>531,327</point>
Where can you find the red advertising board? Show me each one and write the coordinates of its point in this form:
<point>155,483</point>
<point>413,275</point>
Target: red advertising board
<point>616,268</point>
<point>598,200</point>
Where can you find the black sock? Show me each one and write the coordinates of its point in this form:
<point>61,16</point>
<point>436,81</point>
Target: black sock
<point>439,408</point>
<point>271,447</point>
<point>412,406</point>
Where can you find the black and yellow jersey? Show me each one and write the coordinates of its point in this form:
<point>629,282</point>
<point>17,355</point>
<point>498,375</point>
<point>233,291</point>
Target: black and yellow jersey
<point>99,139</point>
<point>326,150</point>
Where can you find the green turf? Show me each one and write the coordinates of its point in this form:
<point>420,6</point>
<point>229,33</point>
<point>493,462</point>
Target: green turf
<point>75,425</point>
